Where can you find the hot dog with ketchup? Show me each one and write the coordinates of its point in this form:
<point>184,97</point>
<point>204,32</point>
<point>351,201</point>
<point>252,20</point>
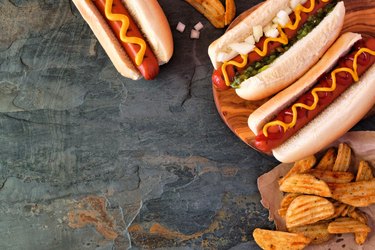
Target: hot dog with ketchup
<point>322,105</point>
<point>266,51</point>
<point>135,34</point>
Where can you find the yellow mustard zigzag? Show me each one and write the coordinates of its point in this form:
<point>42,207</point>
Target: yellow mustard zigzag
<point>354,74</point>
<point>283,39</point>
<point>124,28</point>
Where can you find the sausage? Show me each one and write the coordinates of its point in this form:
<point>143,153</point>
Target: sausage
<point>217,76</point>
<point>276,134</point>
<point>149,67</point>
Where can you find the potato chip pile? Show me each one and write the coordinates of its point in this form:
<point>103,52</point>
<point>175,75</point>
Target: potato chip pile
<point>321,199</point>
<point>218,15</point>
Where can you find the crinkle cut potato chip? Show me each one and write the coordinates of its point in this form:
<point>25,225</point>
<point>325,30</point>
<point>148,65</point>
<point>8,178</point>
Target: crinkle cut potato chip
<point>328,160</point>
<point>347,210</point>
<point>343,159</point>
<point>360,238</point>
<point>300,167</point>
<point>339,209</point>
<point>356,194</point>
<point>215,12</point>
<point>318,232</point>
<point>347,225</point>
<point>230,11</point>
<point>364,172</point>
<point>285,202</point>
<point>331,176</point>
<point>308,209</point>
<point>277,240</point>
<point>331,196</point>
<point>305,184</point>
<point>358,215</point>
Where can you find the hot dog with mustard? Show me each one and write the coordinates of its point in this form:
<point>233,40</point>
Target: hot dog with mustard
<point>135,34</point>
<point>322,105</point>
<point>274,45</point>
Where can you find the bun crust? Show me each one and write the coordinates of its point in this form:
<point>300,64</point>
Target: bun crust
<point>271,108</point>
<point>333,122</point>
<point>297,60</point>
<point>150,19</point>
<point>154,25</point>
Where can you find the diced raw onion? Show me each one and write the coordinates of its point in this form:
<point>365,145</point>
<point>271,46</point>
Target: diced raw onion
<point>198,26</point>
<point>288,10</point>
<point>257,32</point>
<point>180,27</point>
<point>294,3</point>
<point>273,32</point>
<point>250,40</point>
<point>283,18</point>
<point>223,56</point>
<point>275,20</point>
<point>242,48</point>
<point>194,34</point>
<point>270,26</point>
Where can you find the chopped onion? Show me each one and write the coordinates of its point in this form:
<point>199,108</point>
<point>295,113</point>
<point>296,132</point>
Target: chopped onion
<point>257,32</point>
<point>242,48</point>
<point>294,3</point>
<point>283,18</point>
<point>250,40</point>
<point>267,27</point>
<point>180,27</point>
<point>275,20</point>
<point>288,10</point>
<point>272,32</point>
<point>198,26</point>
<point>194,34</point>
<point>223,56</point>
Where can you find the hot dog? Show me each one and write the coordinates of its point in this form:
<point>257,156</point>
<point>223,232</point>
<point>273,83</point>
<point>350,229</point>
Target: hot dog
<point>322,105</point>
<point>274,45</point>
<point>135,34</point>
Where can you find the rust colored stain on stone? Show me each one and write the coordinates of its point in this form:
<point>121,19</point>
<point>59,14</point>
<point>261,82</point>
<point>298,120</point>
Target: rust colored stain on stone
<point>92,211</point>
<point>157,235</point>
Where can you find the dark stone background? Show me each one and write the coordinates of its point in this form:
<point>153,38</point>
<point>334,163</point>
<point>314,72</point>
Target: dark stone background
<point>157,152</point>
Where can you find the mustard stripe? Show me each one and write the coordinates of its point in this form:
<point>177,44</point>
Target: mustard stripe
<point>314,91</point>
<point>124,28</point>
<point>282,39</point>
<point>234,63</point>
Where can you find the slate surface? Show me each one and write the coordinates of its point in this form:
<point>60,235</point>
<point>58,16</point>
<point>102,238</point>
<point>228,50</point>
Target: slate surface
<point>90,160</point>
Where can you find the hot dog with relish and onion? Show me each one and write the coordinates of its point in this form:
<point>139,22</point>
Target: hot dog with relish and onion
<point>135,34</point>
<point>322,105</point>
<point>266,50</point>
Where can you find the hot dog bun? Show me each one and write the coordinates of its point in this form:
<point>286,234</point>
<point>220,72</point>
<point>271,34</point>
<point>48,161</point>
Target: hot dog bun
<point>341,115</point>
<point>264,113</point>
<point>290,65</point>
<point>150,19</point>
<point>331,124</point>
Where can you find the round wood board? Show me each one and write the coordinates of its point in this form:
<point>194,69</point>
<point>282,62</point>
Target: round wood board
<point>360,17</point>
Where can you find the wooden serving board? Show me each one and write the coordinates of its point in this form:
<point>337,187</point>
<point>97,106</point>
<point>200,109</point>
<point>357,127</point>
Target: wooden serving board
<point>360,17</point>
